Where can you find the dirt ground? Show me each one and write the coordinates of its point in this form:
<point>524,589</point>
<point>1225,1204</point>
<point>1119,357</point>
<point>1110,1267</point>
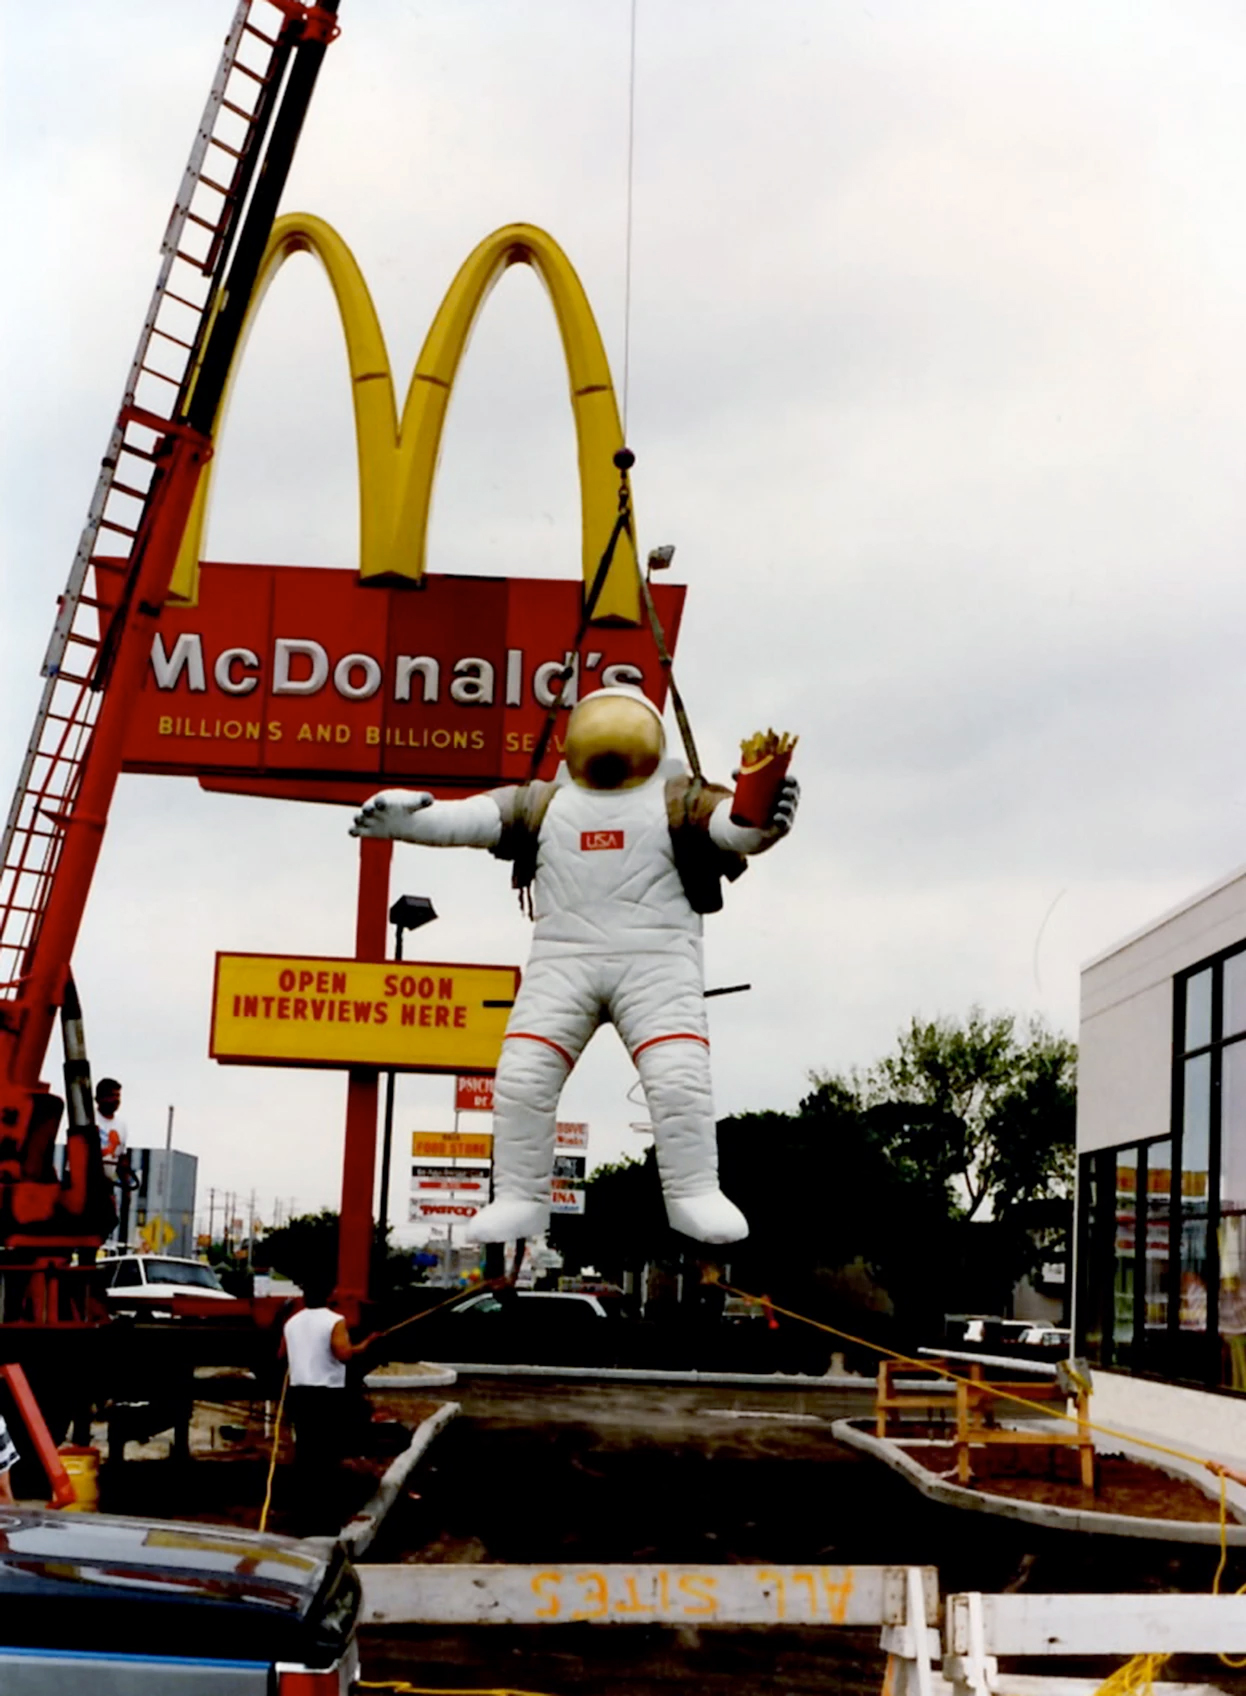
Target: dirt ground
<point>231,1445</point>
<point>1121,1485</point>
<point>537,1471</point>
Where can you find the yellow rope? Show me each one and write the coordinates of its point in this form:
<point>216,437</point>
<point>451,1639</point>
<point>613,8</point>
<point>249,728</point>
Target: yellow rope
<point>457,1295</point>
<point>401,1688</point>
<point>272,1459</point>
<point>1228,1660</point>
<point>1134,1678</point>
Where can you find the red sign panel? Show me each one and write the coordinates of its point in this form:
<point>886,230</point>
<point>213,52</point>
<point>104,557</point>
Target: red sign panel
<point>473,1095</point>
<point>292,681</point>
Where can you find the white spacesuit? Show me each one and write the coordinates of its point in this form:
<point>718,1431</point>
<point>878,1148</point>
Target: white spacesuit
<point>616,938</point>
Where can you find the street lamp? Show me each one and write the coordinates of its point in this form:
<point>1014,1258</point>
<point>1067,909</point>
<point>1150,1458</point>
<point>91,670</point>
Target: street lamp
<point>408,912</point>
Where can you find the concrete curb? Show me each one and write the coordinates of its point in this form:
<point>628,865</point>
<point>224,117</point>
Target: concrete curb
<point>436,1378</point>
<point>1034,1513</point>
<point>356,1536</point>
<point>658,1375</point>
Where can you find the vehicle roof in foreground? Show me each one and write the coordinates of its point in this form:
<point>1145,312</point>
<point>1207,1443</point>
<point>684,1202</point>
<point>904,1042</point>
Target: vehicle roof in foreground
<point>101,1581</point>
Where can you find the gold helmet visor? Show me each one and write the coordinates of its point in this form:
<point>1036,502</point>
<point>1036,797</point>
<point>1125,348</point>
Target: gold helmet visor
<point>614,740</point>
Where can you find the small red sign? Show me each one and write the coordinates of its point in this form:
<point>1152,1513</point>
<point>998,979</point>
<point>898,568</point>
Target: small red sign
<point>473,1095</point>
<point>592,841</point>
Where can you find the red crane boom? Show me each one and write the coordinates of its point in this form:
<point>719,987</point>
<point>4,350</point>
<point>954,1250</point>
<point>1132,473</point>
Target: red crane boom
<point>120,576</point>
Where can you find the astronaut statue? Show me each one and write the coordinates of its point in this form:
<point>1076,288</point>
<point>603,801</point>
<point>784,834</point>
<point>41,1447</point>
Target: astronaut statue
<point>622,854</point>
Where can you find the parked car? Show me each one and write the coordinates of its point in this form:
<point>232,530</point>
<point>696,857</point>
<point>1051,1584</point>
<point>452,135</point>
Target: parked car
<point>582,1328</point>
<point>1043,1336</point>
<point>526,1327</point>
<point>144,1285</point>
<point>97,1602</point>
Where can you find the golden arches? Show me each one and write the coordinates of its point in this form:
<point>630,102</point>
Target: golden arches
<point>398,459</point>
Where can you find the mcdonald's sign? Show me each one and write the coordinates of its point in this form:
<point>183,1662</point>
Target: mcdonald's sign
<point>317,684</point>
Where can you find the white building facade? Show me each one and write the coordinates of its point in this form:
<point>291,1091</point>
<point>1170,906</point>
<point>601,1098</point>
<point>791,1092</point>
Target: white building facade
<point>1160,1295</point>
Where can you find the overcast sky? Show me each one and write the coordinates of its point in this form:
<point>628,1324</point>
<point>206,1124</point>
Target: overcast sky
<point>938,383</point>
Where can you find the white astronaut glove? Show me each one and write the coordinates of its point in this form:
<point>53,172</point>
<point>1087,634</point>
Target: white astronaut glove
<point>743,839</point>
<point>390,813</point>
<point>784,815</point>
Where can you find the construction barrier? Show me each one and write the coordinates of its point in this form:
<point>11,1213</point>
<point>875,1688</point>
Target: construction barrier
<point>903,1601</point>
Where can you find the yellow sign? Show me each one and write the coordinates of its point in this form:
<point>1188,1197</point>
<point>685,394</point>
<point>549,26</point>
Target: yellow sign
<point>156,1234</point>
<point>444,1145</point>
<point>288,1010</point>
<point>398,456</point>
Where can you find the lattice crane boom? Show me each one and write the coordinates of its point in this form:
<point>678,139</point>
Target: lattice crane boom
<point>93,668</point>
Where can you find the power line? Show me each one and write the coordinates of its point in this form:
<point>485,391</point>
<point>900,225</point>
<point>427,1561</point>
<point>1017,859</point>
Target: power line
<point>627,260</point>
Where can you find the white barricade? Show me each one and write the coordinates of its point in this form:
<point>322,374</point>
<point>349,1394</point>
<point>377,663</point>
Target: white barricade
<point>645,1595</point>
<point>902,1601</point>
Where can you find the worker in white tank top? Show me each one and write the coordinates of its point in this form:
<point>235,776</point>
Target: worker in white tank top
<point>317,1346</point>
<point>314,1340</point>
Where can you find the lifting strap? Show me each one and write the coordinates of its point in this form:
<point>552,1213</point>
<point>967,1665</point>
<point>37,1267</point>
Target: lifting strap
<point>624,459</point>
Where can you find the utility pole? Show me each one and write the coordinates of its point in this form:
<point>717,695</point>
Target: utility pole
<point>408,912</point>
<point>211,1216</point>
<point>167,1186</point>
<point>251,1231</point>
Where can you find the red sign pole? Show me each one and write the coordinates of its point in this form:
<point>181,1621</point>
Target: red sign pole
<point>354,1253</point>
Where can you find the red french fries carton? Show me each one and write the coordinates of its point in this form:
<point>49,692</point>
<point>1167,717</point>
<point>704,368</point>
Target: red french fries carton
<point>763,766</point>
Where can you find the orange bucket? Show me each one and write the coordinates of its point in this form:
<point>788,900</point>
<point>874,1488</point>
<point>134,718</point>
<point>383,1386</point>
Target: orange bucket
<point>83,1467</point>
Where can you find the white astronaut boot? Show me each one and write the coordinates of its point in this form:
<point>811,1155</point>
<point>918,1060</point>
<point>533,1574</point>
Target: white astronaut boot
<point>676,1079</point>
<point>529,1081</point>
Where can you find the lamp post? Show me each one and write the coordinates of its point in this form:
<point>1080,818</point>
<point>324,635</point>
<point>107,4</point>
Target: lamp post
<point>408,912</point>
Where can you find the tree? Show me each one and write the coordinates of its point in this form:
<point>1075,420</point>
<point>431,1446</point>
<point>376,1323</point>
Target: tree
<point>835,1227</point>
<point>306,1247</point>
<point>926,1184</point>
<point>982,1109</point>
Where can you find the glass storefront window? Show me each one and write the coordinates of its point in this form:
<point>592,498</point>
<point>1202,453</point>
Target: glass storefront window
<point>1233,1021</point>
<point>1162,1224</point>
<point>1232,1228</point>
<point>1195,1164</point>
<point>1125,1254</point>
<point>1198,1010</point>
<point>1158,1251</point>
<point>1193,1213</point>
<point>1096,1255</point>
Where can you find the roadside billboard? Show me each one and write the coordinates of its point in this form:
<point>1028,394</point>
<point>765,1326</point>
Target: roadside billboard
<point>296,1010</point>
<point>564,1199</point>
<point>570,1135</point>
